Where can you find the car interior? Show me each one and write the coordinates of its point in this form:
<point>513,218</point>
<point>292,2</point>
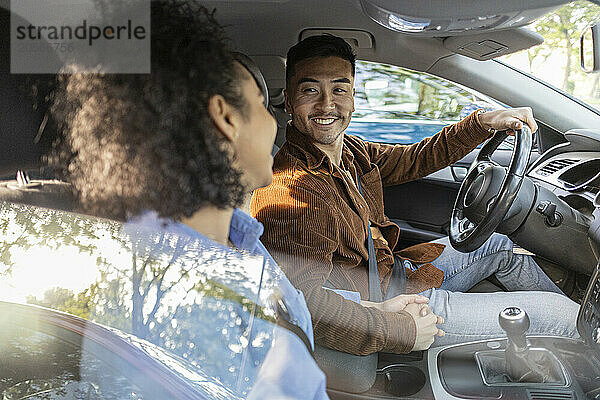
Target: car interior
<point>543,193</point>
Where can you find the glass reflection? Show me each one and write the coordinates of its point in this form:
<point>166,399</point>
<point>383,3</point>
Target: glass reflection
<point>187,295</point>
<point>38,365</point>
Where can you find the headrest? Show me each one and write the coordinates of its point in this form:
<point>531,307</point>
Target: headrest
<point>255,72</point>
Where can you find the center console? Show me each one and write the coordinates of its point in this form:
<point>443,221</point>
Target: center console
<point>482,370</point>
<point>521,366</point>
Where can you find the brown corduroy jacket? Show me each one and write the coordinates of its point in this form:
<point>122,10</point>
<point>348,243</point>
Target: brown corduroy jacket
<point>315,226</point>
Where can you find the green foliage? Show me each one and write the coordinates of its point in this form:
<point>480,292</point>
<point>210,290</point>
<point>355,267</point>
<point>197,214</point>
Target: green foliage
<point>65,300</point>
<point>561,30</point>
<point>25,227</point>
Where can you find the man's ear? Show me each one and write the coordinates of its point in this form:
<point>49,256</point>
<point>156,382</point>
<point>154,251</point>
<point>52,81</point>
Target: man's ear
<point>224,117</point>
<point>288,108</point>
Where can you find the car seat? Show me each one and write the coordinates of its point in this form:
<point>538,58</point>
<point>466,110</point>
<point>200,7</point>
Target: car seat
<point>23,137</point>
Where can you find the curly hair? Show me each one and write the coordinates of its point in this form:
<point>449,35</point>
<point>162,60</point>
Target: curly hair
<point>146,141</point>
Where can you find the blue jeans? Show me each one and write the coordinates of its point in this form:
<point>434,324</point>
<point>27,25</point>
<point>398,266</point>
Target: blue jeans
<point>474,316</point>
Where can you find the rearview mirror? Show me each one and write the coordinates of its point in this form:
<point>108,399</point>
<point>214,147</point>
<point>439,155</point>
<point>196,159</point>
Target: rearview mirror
<point>590,49</point>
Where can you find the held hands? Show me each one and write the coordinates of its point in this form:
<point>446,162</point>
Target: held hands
<point>397,303</point>
<point>416,305</point>
<point>425,321</point>
<point>508,119</point>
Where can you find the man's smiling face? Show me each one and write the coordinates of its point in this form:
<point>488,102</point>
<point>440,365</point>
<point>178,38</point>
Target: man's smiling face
<point>320,98</point>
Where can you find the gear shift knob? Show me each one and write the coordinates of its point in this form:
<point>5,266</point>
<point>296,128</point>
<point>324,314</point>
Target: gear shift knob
<point>524,364</point>
<point>515,323</point>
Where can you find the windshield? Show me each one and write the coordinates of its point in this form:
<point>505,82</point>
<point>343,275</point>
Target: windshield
<point>556,61</point>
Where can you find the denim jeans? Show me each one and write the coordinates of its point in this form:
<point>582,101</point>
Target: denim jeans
<point>474,316</point>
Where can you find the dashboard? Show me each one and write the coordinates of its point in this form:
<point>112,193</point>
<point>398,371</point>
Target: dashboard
<point>572,170</point>
<point>574,177</point>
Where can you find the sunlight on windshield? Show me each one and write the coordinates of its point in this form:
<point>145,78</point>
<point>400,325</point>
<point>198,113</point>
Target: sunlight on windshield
<point>556,61</point>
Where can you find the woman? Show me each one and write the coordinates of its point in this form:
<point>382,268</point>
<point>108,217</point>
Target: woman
<point>176,151</point>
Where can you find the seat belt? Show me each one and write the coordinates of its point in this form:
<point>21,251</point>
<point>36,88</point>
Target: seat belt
<point>397,285</point>
<point>375,294</point>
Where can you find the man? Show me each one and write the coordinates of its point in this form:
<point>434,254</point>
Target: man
<point>315,223</point>
<point>177,150</point>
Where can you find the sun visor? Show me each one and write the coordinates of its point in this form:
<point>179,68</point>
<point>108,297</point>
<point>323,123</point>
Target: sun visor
<point>492,44</point>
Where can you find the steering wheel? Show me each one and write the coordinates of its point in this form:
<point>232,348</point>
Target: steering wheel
<point>488,191</point>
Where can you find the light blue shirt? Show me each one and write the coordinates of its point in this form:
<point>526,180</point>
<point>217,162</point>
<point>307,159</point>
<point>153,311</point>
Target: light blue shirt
<point>244,233</point>
<point>281,366</point>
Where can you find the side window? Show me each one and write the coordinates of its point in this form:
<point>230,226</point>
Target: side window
<point>397,105</point>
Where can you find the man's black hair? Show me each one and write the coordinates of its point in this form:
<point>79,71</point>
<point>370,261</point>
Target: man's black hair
<point>320,46</point>
<point>140,142</point>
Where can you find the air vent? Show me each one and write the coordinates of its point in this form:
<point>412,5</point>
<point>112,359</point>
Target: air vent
<point>555,165</point>
<point>550,394</point>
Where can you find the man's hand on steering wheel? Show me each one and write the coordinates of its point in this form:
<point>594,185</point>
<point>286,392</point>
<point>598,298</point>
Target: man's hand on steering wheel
<point>508,120</point>
<point>489,189</point>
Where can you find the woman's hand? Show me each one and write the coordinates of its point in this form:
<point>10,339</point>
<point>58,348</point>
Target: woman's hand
<point>426,323</point>
<point>397,303</point>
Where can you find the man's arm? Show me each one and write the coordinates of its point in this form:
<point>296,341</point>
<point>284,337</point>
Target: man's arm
<point>403,163</point>
<point>398,163</point>
<point>301,234</point>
